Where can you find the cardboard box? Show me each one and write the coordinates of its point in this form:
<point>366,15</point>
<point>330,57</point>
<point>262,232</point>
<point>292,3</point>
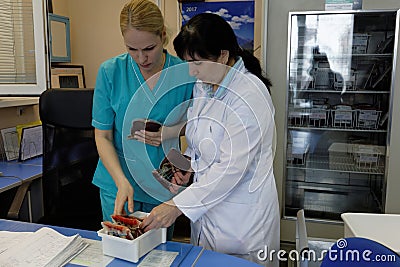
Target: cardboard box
<point>132,250</point>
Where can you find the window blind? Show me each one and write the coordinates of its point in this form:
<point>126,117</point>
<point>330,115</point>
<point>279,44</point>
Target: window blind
<point>23,69</point>
<point>17,43</point>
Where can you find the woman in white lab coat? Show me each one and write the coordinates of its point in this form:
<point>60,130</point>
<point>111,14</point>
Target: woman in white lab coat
<point>232,202</point>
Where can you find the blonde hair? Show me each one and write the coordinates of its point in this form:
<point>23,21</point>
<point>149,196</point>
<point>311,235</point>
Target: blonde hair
<point>142,15</point>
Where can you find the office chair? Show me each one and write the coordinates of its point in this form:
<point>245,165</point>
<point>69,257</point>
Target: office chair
<point>69,159</point>
<point>309,249</point>
<point>359,251</point>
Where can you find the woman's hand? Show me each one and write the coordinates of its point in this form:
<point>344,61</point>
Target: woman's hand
<point>109,157</point>
<point>164,215</point>
<point>179,179</point>
<point>124,194</point>
<point>150,138</point>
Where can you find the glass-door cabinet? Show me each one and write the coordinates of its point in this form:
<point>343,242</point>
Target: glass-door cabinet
<point>340,70</point>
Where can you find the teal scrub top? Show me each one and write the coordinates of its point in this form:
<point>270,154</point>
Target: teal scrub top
<point>121,95</point>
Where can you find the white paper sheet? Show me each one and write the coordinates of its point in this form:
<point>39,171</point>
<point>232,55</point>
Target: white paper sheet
<point>10,142</point>
<point>45,247</point>
<point>31,142</point>
<point>158,258</point>
<point>92,255</point>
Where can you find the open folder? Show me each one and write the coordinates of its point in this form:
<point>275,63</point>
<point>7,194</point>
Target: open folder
<point>10,143</point>
<point>31,142</point>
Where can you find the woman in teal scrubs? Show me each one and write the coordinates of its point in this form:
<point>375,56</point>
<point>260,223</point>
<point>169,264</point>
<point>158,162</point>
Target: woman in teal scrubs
<point>142,83</point>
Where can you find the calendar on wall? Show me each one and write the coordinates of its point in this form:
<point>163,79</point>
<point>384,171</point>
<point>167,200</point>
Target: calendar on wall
<point>239,14</point>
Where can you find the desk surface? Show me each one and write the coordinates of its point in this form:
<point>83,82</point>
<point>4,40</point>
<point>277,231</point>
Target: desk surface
<point>15,172</point>
<point>212,258</point>
<point>382,228</point>
<point>189,255</point>
<point>36,161</point>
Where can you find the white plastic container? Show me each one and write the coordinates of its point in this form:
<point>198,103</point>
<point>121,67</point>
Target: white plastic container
<point>132,250</point>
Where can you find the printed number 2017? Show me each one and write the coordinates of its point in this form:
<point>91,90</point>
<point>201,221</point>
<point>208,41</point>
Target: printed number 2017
<point>191,8</point>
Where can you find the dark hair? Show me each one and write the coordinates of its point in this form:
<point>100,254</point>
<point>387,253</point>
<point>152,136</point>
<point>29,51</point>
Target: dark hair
<point>206,34</point>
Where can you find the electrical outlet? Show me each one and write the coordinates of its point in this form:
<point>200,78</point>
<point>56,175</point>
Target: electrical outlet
<point>20,111</point>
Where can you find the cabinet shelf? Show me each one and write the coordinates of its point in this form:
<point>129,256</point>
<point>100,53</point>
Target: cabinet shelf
<point>344,164</point>
<point>330,201</point>
<point>369,57</point>
<point>315,90</point>
<point>335,129</point>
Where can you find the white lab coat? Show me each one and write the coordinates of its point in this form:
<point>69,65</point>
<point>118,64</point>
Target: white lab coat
<point>233,202</point>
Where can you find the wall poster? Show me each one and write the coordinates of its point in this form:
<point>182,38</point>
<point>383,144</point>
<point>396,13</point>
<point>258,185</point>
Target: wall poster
<point>239,14</point>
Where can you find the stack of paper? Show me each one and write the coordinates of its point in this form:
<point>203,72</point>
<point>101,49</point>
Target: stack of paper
<point>45,247</point>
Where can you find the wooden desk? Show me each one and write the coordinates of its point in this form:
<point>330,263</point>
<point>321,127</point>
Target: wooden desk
<point>26,176</point>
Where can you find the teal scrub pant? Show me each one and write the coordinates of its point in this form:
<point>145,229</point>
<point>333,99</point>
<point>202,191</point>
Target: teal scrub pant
<point>107,207</point>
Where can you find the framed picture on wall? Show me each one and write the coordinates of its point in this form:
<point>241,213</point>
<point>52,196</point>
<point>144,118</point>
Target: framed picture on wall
<point>59,38</point>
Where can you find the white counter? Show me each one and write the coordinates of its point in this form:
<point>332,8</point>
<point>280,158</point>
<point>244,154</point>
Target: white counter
<point>382,228</point>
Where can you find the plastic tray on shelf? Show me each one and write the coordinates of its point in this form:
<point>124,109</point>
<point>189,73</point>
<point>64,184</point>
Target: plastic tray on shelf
<point>360,43</point>
<point>297,153</point>
<point>359,155</point>
<point>348,84</point>
<point>297,117</point>
<point>340,153</point>
<point>343,117</point>
<point>318,117</point>
<point>367,156</point>
<point>368,119</point>
<point>323,76</point>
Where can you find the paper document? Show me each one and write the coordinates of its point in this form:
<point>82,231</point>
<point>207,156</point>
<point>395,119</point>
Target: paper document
<point>10,239</point>
<point>45,247</point>
<point>10,142</point>
<point>92,255</point>
<point>158,258</point>
<point>31,142</point>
